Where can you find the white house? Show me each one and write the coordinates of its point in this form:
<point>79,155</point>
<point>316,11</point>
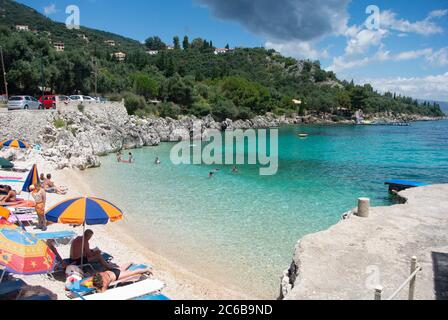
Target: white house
<point>152,52</point>
<point>221,50</point>
<point>59,46</point>
<point>110,42</point>
<point>20,27</point>
<point>120,56</point>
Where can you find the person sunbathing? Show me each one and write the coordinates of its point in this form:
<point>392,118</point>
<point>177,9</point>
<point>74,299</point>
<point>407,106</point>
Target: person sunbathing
<point>90,256</point>
<point>50,186</point>
<point>3,191</point>
<point>11,196</point>
<point>102,280</point>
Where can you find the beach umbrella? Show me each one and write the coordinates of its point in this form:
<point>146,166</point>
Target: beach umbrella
<point>18,144</point>
<point>5,164</point>
<point>22,253</point>
<point>4,213</point>
<point>32,179</point>
<point>84,211</point>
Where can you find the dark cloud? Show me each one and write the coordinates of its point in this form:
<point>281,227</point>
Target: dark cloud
<point>283,20</point>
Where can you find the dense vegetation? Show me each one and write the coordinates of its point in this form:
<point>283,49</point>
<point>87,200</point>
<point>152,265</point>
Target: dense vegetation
<point>188,79</point>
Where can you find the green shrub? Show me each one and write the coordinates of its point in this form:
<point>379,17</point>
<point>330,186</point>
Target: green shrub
<point>59,123</point>
<point>114,97</point>
<point>133,102</point>
<point>169,109</point>
<point>148,110</point>
<point>81,108</point>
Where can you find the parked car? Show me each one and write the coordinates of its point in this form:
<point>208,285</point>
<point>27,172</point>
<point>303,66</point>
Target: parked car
<point>100,99</point>
<point>81,98</point>
<point>24,102</point>
<point>76,98</point>
<point>88,99</point>
<point>51,101</point>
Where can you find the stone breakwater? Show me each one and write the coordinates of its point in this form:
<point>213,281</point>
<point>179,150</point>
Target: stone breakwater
<point>347,261</point>
<point>73,137</point>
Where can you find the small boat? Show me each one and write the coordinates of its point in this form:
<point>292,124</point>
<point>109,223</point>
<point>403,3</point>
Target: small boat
<point>303,135</point>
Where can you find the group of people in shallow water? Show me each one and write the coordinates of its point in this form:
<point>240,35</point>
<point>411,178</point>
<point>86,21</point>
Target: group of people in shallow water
<point>212,173</point>
<point>158,162</point>
<point>120,158</point>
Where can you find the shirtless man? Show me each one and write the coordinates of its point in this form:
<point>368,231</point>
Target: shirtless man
<point>89,254</point>
<point>11,196</point>
<point>50,186</point>
<point>102,280</point>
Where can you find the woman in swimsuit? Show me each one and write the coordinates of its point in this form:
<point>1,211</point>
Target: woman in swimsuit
<point>102,280</point>
<point>11,196</point>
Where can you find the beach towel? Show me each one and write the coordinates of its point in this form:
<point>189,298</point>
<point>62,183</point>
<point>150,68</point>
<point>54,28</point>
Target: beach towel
<point>21,204</point>
<point>11,178</point>
<point>85,286</point>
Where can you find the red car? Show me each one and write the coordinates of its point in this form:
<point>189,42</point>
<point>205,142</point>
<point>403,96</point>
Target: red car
<point>49,102</point>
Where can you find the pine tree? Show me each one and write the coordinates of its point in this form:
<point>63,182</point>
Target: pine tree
<point>176,42</point>
<point>186,43</point>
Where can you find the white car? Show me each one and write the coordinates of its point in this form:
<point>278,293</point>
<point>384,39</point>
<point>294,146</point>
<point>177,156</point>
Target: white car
<point>24,103</point>
<point>81,99</point>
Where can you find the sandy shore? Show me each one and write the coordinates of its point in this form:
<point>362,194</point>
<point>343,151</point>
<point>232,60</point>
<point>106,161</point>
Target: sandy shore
<point>116,240</point>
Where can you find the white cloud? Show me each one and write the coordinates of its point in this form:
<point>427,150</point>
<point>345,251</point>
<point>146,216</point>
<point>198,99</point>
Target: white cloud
<point>439,58</point>
<point>433,87</point>
<point>344,62</point>
<point>298,49</point>
<point>437,13</point>
<point>390,21</point>
<point>363,40</point>
<point>50,9</point>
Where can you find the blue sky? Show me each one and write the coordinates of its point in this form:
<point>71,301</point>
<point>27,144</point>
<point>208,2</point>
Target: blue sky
<point>406,50</point>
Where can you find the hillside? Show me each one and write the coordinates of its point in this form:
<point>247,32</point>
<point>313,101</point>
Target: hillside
<point>189,79</point>
<point>14,13</point>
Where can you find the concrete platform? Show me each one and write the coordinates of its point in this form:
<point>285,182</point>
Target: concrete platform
<point>351,258</point>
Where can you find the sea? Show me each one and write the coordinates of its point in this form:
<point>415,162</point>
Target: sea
<point>240,229</point>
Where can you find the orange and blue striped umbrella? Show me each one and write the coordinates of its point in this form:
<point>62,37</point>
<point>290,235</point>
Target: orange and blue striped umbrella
<point>22,253</point>
<point>4,213</point>
<point>85,210</point>
<point>32,179</point>
<point>19,144</point>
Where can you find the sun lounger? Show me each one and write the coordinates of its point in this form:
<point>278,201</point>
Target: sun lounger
<point>129,292</point>
<point>10,287</point>
<point>23,219</point>
<point>153,297</point>
<point>59,237</point>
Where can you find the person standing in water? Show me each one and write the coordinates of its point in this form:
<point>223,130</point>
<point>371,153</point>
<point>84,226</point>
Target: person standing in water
<point>131,158</point>
<point>157,162</point>
<point>119,156</point>
<point>235,170</point>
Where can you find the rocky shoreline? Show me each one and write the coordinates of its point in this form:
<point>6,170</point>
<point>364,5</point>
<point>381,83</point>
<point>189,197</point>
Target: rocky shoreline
<point>74,137</point>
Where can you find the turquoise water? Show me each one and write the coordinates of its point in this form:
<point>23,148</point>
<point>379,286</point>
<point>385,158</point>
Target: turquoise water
<point>240,229</point>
